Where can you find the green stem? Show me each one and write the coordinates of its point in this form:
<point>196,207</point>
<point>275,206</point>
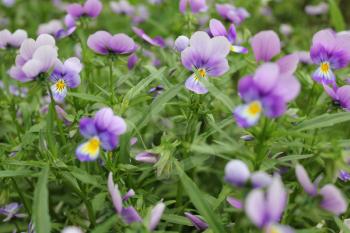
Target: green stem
<point>24,201</point>
<point>260,146</point>
<point>111,80</point>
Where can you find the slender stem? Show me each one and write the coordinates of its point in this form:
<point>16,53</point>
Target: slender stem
<point>26,206</point>
<point>111,80</point>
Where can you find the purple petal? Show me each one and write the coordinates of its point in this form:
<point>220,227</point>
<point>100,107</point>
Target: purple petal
<point>324,77</point>
<point>247,89</point>
<point>122,44</point>
<point>266,45</point>
<point>195,85</point>
<point>87,127</point>
<point>305,181</point>
<point>99,42</point>
<point>274,106</point>
<point>277,228</point>
<point>18,37</point>
<point>235,203</point>
<point>288,88</point>
<point>331,92</point>
<point>132,60</point>
<point>117,125</point>
<point>156,215</point>
<point>236,172</point>
<point>260,179</point>
<point>333,200</point>
<point>343,94</point>
<point>183,5</point>
<point>109,141</point>
<point>75,10</point>
<point>255,207</point>
<point>103,118</point>
<point>130,215</point>
<point>266,77</point>
<point>73,64</point>
<point>181,43</point>
<point>129,194</point>
<point>326,38</point>
<point>239,49</point>
<point>27,49</point>
<point>217,28</point>
<point>217,67</point>
<point>115,194</point>
<point>276,199</point>
<point>32,68</point>
<point>198,223</point>
<point>198,5</point>
<point>47,55</point>
<point>93,8</point>
<point>232,34</point>
<point>288,64</point>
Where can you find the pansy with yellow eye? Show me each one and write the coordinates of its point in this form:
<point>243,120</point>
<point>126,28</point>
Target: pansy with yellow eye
<point>101,131</point>
<point>65,75</point>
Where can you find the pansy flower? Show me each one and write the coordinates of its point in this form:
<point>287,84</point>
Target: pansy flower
<point>104,43</point>
<point>340,96</point>
<point>11,211</point>
<point>205,57</point>
<point>265,208</point>
<point>65,75</point>
<point>122,7</point>
<point>101,131</point>
<point>91,8</point>
<point>34,58</point>
<point>196,221</point>
<point>319,9</point>
<point>266,92</point>
<point>156,41</point>
<point>196,6</point>
<point>332,198</point>
<point>52,27</point>
<point>14,40</point>
<point>181,43</point>
<point>218,29</point>
<point>236,15</point>
<point>129,214</point>
<point>331,52</point>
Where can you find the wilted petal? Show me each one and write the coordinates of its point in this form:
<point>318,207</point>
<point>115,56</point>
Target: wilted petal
<point>266,45</point>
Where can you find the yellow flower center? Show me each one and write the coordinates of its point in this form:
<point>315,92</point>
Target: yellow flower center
<point>202,73</point>
<point>60,85</point>
<point>324,67</point>
<point>93,145</point>
<point>254,108</point>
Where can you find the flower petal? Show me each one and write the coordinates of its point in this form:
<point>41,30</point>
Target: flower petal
<point>236,172</point>
<point>266,77</point>
<point>255,207</point>
<point>276,199</point>
<point>115,194</point>
<point>305,181</point>
<point>333,200</point>
<point>266,45</point>
<point>195,85</point>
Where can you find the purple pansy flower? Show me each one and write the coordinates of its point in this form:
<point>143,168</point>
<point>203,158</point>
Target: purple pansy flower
<point>129,214</point>
<point>207,57</point>
<point>268,91</point>
<point>330,51</point>
<point>14,40</point>
<point>332,199</point>
<point>132,61</point>
<point>218,29</point>
<point>340,95</point>
<point>156,41</point>
<point>196,6</point>
<point>91,8</point>
<point>265,208</point>
<point>231,13</point>
<point>102,130</point>
<point>140,15</point>
<point>52,27</point>
<point>34,58</point>
<point>11,211</point>
<point>122,7</point>
<point>197,222</point>
<point>65,75</point>
<point>104,43</point>
<point>237,173</point>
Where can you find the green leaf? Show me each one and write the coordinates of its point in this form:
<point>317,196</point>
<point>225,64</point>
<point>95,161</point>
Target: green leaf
<point>218,94</point>
<point>87,97</point>
<point>337,19</point>
<point>323,121</point>
<point>41,215</point>
<point>17,173</point>
<point>106,225</point>
<point>199,202</point>
<point>176,219</point>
